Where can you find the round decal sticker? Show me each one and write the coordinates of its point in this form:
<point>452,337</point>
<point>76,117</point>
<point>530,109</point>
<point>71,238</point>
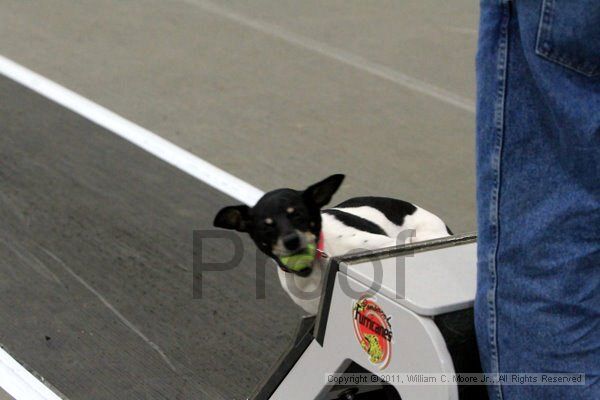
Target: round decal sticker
<point>373,330</point>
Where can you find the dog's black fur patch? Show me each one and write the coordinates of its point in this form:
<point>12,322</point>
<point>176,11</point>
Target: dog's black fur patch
<point>356,222</point>
<point>395,210</point>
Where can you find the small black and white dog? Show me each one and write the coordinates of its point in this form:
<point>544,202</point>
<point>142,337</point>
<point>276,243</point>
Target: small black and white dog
<point>286,222</point>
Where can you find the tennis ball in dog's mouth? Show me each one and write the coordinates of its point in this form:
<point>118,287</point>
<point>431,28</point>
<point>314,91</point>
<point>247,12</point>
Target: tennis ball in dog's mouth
<point>300,261</point>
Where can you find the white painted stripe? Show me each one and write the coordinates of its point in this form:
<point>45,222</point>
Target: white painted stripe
<point>20,383</point>
<point>152,143</point>
<point>340,55</point>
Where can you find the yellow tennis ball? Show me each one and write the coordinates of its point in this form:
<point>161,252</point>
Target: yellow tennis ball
<point>300,261</point>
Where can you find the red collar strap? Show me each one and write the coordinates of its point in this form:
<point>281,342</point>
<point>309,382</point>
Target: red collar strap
<point>320,247</point>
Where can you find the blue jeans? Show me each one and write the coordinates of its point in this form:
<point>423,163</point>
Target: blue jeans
<point>538,193</point>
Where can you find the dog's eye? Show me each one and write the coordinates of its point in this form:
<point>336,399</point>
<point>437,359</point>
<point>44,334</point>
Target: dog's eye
<point>292,212</point>
<point>269,221</point>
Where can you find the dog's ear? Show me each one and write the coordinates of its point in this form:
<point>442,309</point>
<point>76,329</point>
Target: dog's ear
<point>233,217</point>
<point>320,193</point>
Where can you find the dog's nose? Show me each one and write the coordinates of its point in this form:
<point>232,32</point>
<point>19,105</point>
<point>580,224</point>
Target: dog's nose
<point>291,241</point>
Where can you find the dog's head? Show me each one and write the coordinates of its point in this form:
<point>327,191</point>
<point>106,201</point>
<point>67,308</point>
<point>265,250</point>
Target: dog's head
<point>284,222</point>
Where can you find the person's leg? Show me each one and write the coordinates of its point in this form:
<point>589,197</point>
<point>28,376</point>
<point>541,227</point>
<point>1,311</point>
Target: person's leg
<point>538,193</point>
<point>490,63</point>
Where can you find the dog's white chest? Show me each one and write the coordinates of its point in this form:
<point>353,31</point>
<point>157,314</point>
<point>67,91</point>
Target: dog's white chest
<point>306,292</point>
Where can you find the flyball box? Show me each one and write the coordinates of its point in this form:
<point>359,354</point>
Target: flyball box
<point>401,310</point>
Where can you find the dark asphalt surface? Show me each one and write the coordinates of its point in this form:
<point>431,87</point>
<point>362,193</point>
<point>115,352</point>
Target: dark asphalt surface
<point>4,395</point>
<point>96,268</point>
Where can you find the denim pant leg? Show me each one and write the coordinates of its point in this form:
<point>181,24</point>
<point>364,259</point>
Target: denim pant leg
<point>538,193</point>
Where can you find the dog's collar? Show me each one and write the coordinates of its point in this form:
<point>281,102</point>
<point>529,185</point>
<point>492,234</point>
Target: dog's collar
<point>321,247</point>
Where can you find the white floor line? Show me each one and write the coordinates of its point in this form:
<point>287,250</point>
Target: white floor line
<point>20,383</point>
<point>340,55</point>
<point>14,378</point>
<point>152,143</point>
